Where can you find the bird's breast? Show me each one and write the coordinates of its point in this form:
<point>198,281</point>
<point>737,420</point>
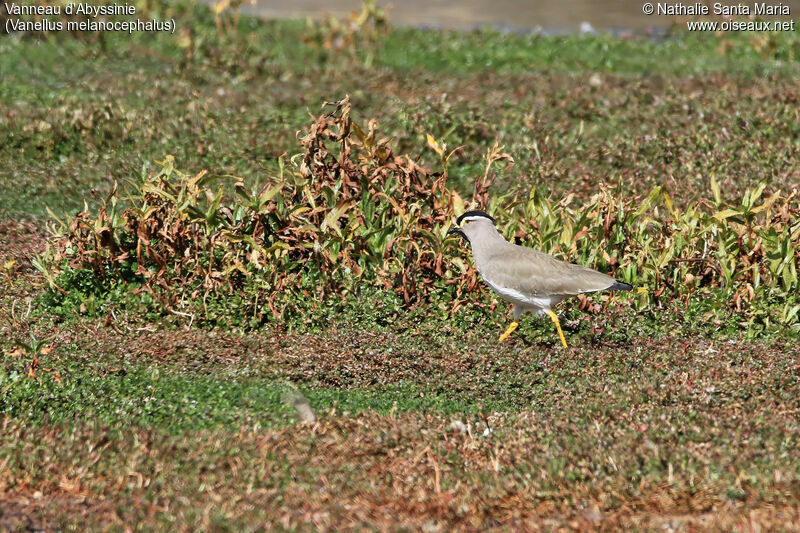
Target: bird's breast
<point>517,297</point>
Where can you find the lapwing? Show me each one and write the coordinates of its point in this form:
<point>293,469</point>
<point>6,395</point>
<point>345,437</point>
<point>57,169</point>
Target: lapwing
<point>529,279</point>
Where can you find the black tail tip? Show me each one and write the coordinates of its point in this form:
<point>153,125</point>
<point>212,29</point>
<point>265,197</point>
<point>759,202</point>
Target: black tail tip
<point>620,286</point>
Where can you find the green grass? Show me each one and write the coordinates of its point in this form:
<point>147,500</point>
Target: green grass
<point>681,54</point>
<point>700,425</point>
<point>196,380</point>
<point>180,401</point>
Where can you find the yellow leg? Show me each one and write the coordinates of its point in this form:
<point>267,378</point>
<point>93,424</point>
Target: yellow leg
<point>554,318</point>
<point>509,331</point>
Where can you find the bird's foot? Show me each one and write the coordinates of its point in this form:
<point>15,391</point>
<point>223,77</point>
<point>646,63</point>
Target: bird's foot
<point>509,331</point>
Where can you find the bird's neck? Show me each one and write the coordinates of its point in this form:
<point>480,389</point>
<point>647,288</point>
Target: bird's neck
<point>487,245</point>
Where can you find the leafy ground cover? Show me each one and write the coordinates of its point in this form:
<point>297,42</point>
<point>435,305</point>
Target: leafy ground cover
<point>675,409</point>
<point>431,429</point>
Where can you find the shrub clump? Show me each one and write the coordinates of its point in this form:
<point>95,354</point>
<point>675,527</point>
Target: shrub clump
<point>347,220</point>
<point>344,213</point>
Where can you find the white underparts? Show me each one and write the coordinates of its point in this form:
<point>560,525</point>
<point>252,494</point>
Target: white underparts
<point>534,304</point>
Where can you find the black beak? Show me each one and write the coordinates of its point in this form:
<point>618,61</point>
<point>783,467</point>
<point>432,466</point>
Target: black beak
<point>455,231</point>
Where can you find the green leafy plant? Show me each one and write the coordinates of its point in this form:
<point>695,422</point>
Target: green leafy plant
<point>28,354</point>
<point>346,213</point>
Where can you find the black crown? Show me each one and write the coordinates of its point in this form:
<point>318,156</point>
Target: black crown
<point>474,214</point>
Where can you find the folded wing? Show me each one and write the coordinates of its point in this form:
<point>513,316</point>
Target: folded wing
<point>538,274</point>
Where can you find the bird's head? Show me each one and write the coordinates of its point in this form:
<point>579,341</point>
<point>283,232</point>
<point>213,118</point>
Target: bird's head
<point>470,223</point>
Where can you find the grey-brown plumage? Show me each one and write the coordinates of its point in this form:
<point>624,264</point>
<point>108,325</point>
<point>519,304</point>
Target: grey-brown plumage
<point>529,279</point>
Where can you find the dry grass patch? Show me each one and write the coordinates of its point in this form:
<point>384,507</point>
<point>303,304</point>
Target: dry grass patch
<point>403,469</point>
